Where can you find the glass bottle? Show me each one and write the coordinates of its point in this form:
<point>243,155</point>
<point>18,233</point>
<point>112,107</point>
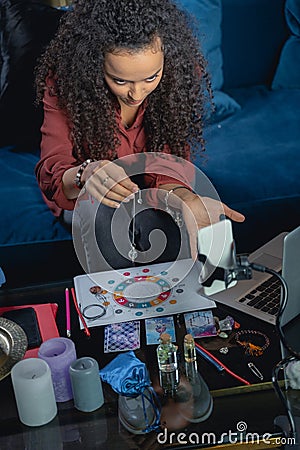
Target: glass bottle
<point>167,354</point>
<point>189,348</point>
<point>168,365</point>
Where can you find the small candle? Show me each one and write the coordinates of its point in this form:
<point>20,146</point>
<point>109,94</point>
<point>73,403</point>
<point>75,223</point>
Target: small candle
<point>59,353</point>
<point>86,384</point>
<point>34,393</point>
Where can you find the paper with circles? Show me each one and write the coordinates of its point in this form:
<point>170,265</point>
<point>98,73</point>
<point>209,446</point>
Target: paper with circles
<point>140,292</point>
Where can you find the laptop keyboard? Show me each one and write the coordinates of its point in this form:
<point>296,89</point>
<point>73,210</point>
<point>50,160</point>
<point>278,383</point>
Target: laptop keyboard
<point>265,297</point>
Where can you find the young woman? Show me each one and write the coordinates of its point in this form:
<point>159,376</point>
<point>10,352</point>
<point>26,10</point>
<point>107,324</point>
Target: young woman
<point>124,82</point>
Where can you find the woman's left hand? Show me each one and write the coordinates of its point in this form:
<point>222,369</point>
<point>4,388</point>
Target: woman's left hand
<point>199,212</point>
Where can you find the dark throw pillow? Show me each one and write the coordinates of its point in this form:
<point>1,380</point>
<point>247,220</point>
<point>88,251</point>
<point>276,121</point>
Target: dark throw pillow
<point>26,28</point>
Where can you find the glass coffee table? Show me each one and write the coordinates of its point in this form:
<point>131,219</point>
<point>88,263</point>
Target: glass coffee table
<point>240,412</point>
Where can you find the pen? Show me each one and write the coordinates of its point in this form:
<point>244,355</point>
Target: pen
<point>204,355</point>
<point>86,330</point>
<point>68,316</point>
<point>211,358</point>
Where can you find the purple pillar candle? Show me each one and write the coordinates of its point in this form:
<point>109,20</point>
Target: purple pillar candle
<point>59,353</point>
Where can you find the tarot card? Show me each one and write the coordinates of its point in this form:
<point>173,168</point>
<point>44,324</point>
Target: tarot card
<point>200,324</point>
<point>158,325</point>
<point>123,336</point>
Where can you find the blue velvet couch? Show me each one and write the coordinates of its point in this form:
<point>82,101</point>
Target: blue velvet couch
<point>253,135</point>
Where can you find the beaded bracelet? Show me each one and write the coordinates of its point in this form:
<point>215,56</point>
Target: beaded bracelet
<point>77,181</point>
<point>252,349</point>
<point>180,187</point>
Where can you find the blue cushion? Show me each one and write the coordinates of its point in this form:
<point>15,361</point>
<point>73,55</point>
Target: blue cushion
<point>224,106</point>
<point>288,71</point>
<point>253,33</point>
<point>24,217</point>
<point>208,14</point>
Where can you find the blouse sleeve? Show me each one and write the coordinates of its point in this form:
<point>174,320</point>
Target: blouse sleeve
<point>56,153</point>
<point>165,168</point>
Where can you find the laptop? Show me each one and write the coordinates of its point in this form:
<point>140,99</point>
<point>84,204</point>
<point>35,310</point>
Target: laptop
<point>260,296</point>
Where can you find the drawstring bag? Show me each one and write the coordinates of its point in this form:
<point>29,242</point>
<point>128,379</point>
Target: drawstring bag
<point>126,374</point>
<point>129,377</point>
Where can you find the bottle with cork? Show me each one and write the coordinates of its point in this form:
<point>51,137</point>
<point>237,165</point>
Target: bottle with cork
<point>189,349</point>
<point>167,363</point>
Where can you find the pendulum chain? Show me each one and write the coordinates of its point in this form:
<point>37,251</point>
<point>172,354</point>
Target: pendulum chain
<point>133,254</point>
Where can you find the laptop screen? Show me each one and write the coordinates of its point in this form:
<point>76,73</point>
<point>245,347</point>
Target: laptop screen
<point>291,273</point>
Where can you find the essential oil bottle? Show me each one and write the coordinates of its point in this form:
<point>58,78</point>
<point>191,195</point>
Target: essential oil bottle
<point>167,354</point>
<point>189,348</point>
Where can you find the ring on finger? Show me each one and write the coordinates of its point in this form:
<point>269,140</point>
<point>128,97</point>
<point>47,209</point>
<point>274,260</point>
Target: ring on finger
<point>104,182</point>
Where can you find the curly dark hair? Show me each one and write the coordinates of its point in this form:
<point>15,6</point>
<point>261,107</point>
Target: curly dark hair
<point>175,109</point>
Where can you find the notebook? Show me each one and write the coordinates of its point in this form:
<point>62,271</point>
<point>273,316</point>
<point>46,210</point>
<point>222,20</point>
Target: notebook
<point>260,296</point>
<point>46,317</point>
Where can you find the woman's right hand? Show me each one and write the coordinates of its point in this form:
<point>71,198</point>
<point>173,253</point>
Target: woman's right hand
<point>108,183</point>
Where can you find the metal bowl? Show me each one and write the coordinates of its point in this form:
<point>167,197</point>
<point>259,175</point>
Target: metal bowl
<point>13,345</point>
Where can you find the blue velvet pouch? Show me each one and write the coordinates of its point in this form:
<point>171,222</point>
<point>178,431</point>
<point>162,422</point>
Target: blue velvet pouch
<point>129,377</point>
<point>126,374</point>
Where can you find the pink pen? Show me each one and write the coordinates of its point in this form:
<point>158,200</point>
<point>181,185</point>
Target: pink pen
<point>68,315</point>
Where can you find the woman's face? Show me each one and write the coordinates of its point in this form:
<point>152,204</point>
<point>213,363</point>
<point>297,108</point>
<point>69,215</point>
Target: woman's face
<point>132,76</point>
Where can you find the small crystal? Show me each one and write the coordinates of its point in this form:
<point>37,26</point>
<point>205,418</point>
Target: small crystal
<point>223,335</point>
<point>132,254</point>
<point>224,350</point>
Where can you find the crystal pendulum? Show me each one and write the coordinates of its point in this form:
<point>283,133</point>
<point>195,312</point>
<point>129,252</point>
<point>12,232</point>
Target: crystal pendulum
<point>132,254</point>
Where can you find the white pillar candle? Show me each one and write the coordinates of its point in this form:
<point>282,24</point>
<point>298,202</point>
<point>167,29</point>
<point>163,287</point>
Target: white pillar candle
<point>86,384</point>
<point>34,393</point>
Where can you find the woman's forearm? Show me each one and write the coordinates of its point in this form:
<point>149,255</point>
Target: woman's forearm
<point>70,189</point>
